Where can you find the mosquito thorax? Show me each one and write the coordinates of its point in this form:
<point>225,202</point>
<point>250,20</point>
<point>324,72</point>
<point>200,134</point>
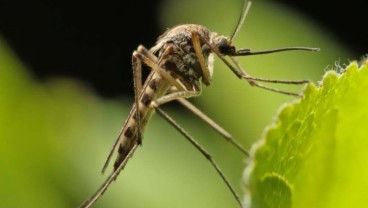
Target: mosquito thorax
<point>176,53</point>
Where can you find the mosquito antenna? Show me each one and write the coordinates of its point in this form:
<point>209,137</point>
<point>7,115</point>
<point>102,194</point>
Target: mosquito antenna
<point>246,7</point>
<point>248,52</point>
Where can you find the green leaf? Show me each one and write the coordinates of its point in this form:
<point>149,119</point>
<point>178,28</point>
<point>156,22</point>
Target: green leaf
<point>315,153</point>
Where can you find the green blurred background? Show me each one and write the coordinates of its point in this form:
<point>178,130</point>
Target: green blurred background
<point>55,136</point>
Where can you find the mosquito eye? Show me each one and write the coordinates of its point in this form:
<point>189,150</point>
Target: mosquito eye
<point>225,48</point>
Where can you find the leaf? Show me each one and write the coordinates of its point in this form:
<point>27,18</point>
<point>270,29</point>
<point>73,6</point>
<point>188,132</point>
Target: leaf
<point>315,153</point>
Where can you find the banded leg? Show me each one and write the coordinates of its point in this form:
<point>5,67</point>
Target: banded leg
<point>201,149</point>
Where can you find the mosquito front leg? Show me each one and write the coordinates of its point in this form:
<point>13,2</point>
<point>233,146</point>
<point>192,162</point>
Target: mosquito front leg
<point>201,149</point>
<point>252,81</point>
<point>241,74</point>
<point>246,76</point>
<point>206,76</point>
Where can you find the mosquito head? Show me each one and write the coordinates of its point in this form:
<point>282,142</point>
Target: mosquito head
<point>223,45</point>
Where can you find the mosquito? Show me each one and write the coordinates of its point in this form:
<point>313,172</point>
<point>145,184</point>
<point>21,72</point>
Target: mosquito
<point>181,61</point>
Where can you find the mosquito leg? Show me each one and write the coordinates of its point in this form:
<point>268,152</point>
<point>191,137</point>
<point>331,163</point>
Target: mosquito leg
<point>294,82</point>
<point>248,77</point>
<point>180,97</point>
<point>198,50</point>
<point>204,117</point>
<point>241,74</point>
<point>92,200</point>
<point>145,52</point>
<point>201,149</point>
<point>275,89</point>
<point>173,96</point>
<point>227,136</point>
<point>252,81</point>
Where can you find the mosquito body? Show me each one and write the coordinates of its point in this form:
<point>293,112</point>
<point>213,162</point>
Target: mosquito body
<point>177,59</point>
<point>181,61</point>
